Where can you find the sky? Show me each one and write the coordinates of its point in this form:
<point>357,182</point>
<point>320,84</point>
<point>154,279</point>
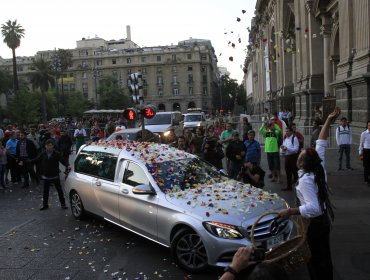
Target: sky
<point>51,24</point>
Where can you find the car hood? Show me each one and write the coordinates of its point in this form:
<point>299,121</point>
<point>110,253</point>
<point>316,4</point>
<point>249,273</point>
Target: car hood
<point>157,128</point>
<point>230,202</point>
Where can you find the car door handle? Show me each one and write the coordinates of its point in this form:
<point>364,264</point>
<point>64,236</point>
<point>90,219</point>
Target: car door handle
<point>98,183</point>
<point>124,191</point>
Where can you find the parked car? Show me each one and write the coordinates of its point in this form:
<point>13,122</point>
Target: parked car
<point>134,134</point>
<point>175,199</point>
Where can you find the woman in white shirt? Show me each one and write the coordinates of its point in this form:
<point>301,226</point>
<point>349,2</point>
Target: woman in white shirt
<point>314,203</point>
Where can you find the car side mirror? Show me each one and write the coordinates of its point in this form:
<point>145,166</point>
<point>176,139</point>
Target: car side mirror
<point>143,189</point>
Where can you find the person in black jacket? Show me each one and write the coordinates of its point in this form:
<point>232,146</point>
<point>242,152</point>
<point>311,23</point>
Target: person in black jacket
<point>26,154</point>
<point>235,153</point>
<point>50,159</point>
<point>65,144</point>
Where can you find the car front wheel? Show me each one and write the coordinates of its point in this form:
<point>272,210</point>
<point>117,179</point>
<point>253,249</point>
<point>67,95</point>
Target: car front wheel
<point>77,206</point>
<point>188,251</point>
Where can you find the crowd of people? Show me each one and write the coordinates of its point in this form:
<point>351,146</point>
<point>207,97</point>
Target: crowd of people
<point>35,152</point>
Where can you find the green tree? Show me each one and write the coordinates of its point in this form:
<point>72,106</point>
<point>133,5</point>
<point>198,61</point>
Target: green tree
<point>12,33</point>
<point>76,104</point>
<point>111,95</point>
<point>24,107</point>
<point>42,78</point>
<point>228,92</point>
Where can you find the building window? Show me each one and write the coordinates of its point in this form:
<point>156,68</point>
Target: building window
<point>189,55</point>
<point>190,78</point>
<point>159,80</point>
<point>114,61</point>
<point>99,62</point>
<point>176,91</point>
<point>204,57</point>
<point>174,79</point>
<point>204,68</point>
<point>72,87</point>
<point>159,58</point>
<point>190,90</point>
<point>173,57</point>
<point>143,59</point>
<point>84,75</point>
<point>174,69</point>
<point>143,71</point>
<point>128,60</point>
<point>159,70</point>
<point>160,92</point>
<point>115,74</point>
<point>190,68</point>
<point>129,71</point>
<point>204,79</point>
<point>20,68</point>
<point>205,91</point>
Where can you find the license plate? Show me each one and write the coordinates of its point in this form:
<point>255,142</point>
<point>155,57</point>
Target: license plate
<point>274,241</point>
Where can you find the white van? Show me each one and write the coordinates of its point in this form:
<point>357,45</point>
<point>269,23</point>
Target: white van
<point>163,122</point>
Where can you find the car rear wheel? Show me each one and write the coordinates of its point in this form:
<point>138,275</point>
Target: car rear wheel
<point>188,251</point>
<point>77,206</point>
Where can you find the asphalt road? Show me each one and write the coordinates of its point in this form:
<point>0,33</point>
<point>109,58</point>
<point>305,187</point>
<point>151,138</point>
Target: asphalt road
<point>53,245</point>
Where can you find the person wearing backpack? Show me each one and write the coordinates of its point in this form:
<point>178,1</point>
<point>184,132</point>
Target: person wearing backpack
<point>270,131</point>
<point>343,136</point>
<point>291,150</point>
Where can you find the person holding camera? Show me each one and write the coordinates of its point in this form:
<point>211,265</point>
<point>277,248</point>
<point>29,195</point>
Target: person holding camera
<point>252,174</point>
<point>241,265</point>
<point>271,132</point>
<point>314,203</point>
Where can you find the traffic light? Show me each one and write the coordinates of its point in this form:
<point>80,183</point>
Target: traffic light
<point>130,114</point>
<point>135,85</point>
<point>149,111</point>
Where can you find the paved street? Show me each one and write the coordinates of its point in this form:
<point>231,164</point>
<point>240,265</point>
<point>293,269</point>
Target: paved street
<point>53,245</point>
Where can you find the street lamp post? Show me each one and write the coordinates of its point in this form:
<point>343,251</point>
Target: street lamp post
<point>95,77</point>
<point>56,65</point>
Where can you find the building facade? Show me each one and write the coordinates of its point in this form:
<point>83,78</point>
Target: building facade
<point>175,77</point>
<point>309,54</point>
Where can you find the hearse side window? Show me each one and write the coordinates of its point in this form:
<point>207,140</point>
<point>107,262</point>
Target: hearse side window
<point>96,164</point>
<point>135,175</point>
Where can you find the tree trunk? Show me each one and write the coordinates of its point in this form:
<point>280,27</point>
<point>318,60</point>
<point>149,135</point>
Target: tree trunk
<point>43,107</point>
<point>15,76</point>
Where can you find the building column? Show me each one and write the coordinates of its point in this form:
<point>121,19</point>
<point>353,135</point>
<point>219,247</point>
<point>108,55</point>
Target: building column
<point>326,32</point>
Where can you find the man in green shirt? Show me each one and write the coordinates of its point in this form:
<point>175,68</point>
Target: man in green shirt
<point>270,131</point>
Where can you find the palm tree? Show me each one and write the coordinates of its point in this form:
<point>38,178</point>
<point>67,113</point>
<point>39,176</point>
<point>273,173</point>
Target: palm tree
<point>65,57</point>
<point>42,78</point>
<point>12,33</point>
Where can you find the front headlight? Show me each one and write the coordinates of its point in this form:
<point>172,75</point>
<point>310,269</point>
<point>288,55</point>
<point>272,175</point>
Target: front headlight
<point>223,230</point>
<point>165,134</point>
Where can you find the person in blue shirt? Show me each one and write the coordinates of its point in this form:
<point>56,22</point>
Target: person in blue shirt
<point>252,149</point>
<point>11,148</point>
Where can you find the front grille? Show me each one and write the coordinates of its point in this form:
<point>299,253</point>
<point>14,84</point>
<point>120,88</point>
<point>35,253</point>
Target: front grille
<point>262,230</point>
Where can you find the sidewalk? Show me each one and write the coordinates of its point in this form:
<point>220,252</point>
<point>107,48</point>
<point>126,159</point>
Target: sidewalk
<point>350,238</point>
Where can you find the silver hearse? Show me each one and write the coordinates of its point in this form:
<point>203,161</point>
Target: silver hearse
<point>173,198</point>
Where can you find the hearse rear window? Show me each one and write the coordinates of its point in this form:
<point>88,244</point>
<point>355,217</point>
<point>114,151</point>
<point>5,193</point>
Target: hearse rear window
<point>96,164</point>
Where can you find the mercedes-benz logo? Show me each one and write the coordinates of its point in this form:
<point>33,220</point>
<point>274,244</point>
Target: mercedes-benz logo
<point>274,227</point>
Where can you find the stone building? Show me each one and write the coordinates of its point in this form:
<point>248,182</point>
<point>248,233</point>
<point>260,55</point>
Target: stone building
<point>307,54</point>
<point>175,77</point>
